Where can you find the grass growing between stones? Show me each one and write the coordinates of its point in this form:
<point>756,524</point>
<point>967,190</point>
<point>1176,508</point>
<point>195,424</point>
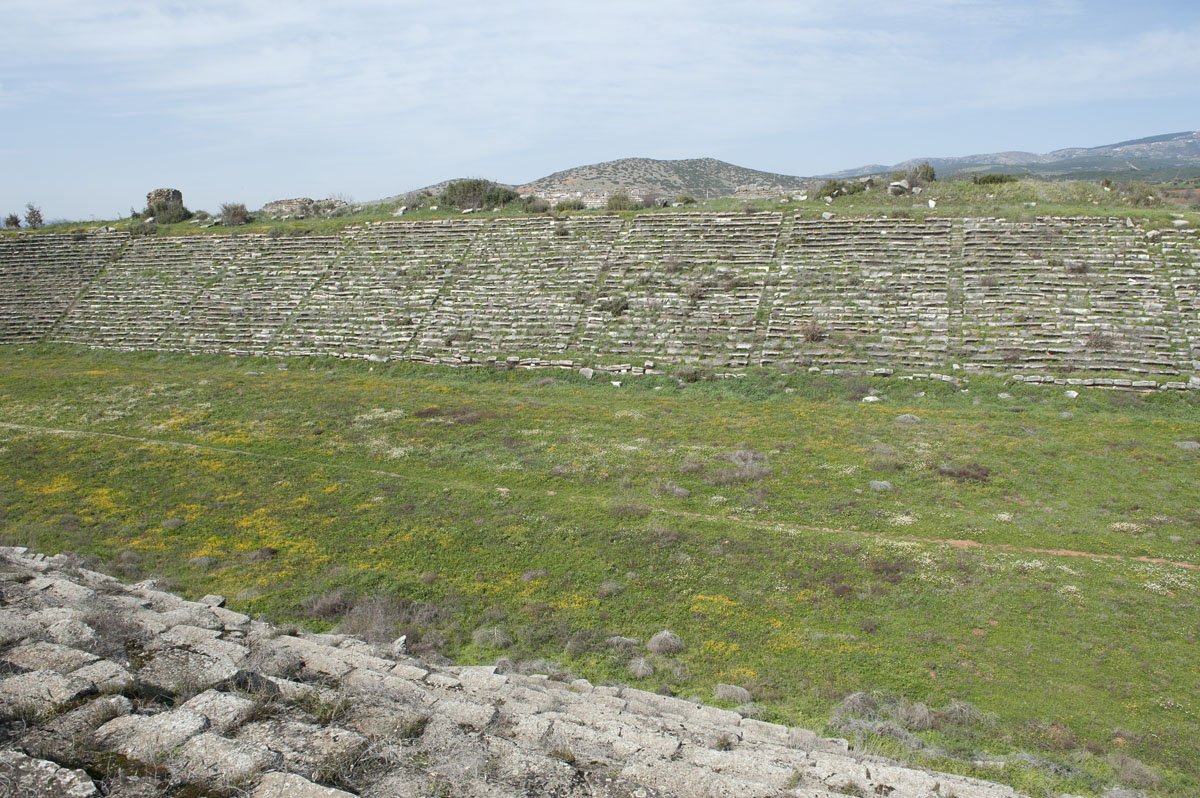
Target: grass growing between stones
<point>563,512</point>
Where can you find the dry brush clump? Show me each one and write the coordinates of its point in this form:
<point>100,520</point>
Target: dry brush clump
<point>749,466</point>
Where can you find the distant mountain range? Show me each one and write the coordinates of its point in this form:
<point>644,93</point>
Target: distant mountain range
<point>1155,159</point>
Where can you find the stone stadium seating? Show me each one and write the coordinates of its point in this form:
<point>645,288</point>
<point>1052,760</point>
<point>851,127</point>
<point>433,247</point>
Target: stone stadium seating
<point>380,290</point>
<point>1073,296</point>
<point>683,287</point>
<point>42,275</point>
<point>522,287</point>
<point>862,292</point>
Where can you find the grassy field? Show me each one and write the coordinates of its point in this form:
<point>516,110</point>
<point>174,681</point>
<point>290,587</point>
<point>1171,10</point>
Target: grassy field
<point>1021,602</point>
<point>1018,201</point>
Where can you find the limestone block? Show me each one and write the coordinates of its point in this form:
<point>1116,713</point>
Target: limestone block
<point>27,776</point>
<point>305,748</point>
<point>38,692</point>
<point>220,762</point>
<point>49,656</point>
<point>223,710</point>
<point>108,676</point>
<point>145,737</point>
<point>289,785</point>
<point>176,670</point>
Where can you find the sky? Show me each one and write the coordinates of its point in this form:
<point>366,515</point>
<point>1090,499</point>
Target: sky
<point>256,100</point>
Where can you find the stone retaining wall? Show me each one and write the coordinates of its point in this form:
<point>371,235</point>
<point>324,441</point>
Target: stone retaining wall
<point>1065,298</point>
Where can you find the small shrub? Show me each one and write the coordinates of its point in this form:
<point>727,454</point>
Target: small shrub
<point>234,214</point>
<point>665,643</point>
<point>535,205</point>
<point>616,305</point>
<point>857,705</point>
<point>749,466</point>
<point>494,637</point>
<point>813,332</point>
<point>325,710</point>
<point>33,216</point>
<point>143,229</point>
<point>628,510</point>
<point>1098,341</point>
<point>1132,771</point>
<point>376,619</point>
<point>685,199</point>
<point>620,201</point>
<point>563,754</point>
<point>609,588</point>
<point>993,178</point>
<point>640,668</point>
<point>1077,267</point>
<point>570,205</point>
<point>476,193</point>
<point>167,212</point>
<point>12,221</point>
<point>958,713</point>
<point>915,717</point>
<point>967,472</point>
<point>329,605</point>
<point>694,374</point>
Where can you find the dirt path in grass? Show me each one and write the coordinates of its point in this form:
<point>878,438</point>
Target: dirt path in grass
<point>771,525</point>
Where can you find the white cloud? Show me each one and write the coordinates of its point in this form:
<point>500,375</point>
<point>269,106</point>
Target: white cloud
<point>441,87</point>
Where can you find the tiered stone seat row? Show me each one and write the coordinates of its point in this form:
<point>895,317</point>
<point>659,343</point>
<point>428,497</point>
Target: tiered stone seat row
<point>150,290</point>
<point>1181,257</point>
<point>684,287</point>
<point>1085,295</point>
<point>1081,293</point>
<point>40,276</point>
<point>244,308</point>
<point>378,293</point>
<point>522,287</point>
<point>862,292</point>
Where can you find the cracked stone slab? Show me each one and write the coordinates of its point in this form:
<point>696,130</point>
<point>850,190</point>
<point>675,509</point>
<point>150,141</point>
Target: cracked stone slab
<point>289,785</point>
<point>221,762</point>
<point>24,776</point>
<point>305,748</point>
<point>223,710</point>
<point>145,737</point>
<point>176,670</point>
<point>108,676</point>
<point>40,692</point>
<point>49,656</point>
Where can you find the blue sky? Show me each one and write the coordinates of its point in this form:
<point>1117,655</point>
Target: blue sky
<point>256,100</point>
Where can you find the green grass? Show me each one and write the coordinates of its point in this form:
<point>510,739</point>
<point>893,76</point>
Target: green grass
<point>476,498</point>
